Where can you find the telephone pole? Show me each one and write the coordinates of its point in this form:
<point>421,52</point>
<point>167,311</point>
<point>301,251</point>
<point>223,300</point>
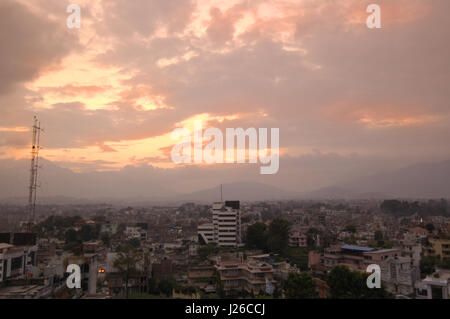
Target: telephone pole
<point>33,172</point>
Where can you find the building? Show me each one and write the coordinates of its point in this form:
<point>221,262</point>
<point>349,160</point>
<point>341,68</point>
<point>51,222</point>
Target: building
<point>436,286</point>
<point>203,277</point>
<point>356,257</point>
<point>416,234</point>
<point>378,256</point>
<point>31,291</point>
<point>16,261</point>
<point>89,271</point>
<point>351,256</point>
<point>297,239</point>
<point>205,233</point>
<point>412,250</point>
<point>225,229</point>
<point>135,232</point>
<point>92,247</point>
<point>249,275</point>
<point>399,275</point>
<point>438,247</point>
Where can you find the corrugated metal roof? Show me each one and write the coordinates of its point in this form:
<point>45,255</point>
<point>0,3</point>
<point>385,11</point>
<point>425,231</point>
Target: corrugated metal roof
<point>358,248</point>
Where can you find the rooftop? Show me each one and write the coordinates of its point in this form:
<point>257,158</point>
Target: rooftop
<point>357,248</point>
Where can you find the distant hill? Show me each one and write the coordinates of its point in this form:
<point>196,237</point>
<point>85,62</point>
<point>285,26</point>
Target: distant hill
<point>243,191</point>
<point>148,185</point>
<point>424,180</point>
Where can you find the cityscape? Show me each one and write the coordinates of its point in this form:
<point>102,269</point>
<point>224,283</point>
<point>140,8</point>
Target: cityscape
<point>224,157</point>
<point>229,249</point>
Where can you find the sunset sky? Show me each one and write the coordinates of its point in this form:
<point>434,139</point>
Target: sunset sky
<point>109,94</point>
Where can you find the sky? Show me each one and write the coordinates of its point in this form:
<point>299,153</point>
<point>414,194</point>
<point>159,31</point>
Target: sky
<point>348,100</point>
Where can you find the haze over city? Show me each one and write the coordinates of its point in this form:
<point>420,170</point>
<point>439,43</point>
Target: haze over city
<point>350,101</point>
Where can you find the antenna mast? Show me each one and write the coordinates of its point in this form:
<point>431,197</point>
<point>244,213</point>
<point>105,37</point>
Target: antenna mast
<point>33,172</point>
<point>221,197</point>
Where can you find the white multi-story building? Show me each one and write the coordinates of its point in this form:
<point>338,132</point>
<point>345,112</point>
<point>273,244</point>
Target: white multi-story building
<point>436,286</point>
<point>399,275</point>
<point>16,261</point>
<point>205,233</point>
<point>225,229</point>
<point>135,233</point>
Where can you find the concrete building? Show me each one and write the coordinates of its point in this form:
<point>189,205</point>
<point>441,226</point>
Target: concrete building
<point>439,247</point>
<point>297,239</point>
<point>399,275</point>
<point>412,250</point>
<point>16,261</point>
<point>250,275</point>
<point>135,233</point>
<point>89,270</point>
<point>225,229</point>
<point>356,257</point>
<point>436,286</point>
<point>203,277</point>
<point>205,233</point>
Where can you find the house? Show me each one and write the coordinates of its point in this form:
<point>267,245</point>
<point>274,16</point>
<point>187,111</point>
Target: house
<point>439,247</point>
<point>399,275</point>
<point>436,286</point>
<point>16,261</point>
<point>249,275</point>
<point>297,239</point>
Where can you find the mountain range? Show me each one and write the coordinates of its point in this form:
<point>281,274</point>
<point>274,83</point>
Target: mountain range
<point>423,180</point>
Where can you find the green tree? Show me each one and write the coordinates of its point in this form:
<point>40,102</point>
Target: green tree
<point>71,236</point>
<point>429,227</point>
<point>166,286</point>
<point>87,233</point>
<point>106,239</point>
<point>136,243</point>
<point>299,286</point>
<point>207,250</point>
<point>347,284</point>
<point>378,235</point>
<point>428,265</point>
<point>350,229</point>
<point>126,262</point>
<point>278,236</point>
<point>256,236</point>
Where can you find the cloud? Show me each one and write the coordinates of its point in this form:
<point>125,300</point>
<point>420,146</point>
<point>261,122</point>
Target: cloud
<point>30,45</point>
<point>311,68</point>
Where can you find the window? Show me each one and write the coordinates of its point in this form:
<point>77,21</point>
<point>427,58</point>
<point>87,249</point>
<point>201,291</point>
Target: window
<point>16,263</point>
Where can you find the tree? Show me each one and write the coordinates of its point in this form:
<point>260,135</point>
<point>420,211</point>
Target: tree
<point>378,235</point>
<point>207,250</point>
<point>136,243</point>
<point>106,239</point>
<point>256,236</point>
<point>350,229</point>
<point>87,233</point>
<point>428,265</point>
<point>299,286</point>
<point>297,256</point>
<point>347,284</point>
<point>71,235</point>
<point>126,262</point>
<point>429,227</point>
<point>166,286</point>
<point>278,235</point>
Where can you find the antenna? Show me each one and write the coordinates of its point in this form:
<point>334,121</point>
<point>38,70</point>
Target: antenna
<point>33,172</point>
<point>221,196</point>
